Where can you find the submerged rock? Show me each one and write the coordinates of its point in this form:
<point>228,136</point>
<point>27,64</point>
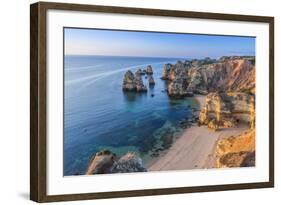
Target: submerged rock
<point>105,162</point>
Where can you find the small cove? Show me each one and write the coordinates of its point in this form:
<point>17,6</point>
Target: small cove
<point>99,115</point>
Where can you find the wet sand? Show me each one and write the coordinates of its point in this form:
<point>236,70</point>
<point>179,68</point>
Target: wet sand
<point>194,149</point>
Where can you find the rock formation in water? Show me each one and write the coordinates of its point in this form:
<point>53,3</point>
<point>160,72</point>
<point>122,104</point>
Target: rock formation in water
<point>207,75</point>
<point>222,110</point>
<point>140,87</point>
<point>236,151</point>
<point>178,87</point>
<point>151,80</point>
<point>133,82</point>
<point>129,81</point>
<point>170,72</point>
<point>149,70</point>
<point>105,162</point>
<point>140,72</point>
<point>101,163</point>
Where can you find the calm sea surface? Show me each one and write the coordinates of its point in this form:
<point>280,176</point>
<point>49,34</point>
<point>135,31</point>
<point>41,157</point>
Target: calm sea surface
<point>99,115</point>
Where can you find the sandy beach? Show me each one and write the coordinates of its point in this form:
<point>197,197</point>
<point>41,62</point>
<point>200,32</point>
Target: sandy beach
<point>195,148</point>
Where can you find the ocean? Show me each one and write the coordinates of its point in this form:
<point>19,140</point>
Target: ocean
<point>98,115</point>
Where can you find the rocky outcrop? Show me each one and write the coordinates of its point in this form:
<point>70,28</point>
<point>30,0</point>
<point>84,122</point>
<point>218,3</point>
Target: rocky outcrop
<point>229,75</point>
<point>140,72</point>
<point>222,110</point>
<point>151,80</point>
<point>149,70</point>
<point>133,82</point>
<point>128,163</point>
<point>101,163</point>
<point>140,87</point>
<point>177,88</point>
<point>129,81</point>
<point>170,72</point>
<point>105,162</point>
<point>236,151</point>
<point>166,71</point>
<point>203,76</point>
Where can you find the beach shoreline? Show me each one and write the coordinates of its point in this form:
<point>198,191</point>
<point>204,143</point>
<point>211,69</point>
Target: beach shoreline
<point>195,148</point>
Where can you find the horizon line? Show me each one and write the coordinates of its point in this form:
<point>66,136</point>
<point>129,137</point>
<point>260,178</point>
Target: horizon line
<point>156,56</point>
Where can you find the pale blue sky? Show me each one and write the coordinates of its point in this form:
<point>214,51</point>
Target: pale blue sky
<point>153,44</point>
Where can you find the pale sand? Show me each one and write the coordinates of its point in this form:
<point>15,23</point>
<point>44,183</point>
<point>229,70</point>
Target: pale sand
<point>194,149</point>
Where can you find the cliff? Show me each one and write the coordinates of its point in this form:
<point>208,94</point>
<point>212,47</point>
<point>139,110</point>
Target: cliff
<point>236,151</point>
<point>207,75</point>
<point>222,110</point>
<point>105,162</point>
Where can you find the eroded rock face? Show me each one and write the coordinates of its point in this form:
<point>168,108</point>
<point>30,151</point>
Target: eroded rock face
<point>237,159</point>
<point>140,87</point>
<point>229,75</point>
<point>139,72</point>
<point>128,163</point>
<point>133,82</point>
<point>105,162</point>
<point>171,72</point>
<point>178,87</point>
<point>101,163</point>
<point>151,80</point>
<point>227,109</point>
<point>166,71</point>
<point>207,75</point>
<point>129,81</point>
<point>149,70</point>
<point>236,151</point>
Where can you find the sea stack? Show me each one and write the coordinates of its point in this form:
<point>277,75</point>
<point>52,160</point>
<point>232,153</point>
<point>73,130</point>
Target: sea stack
<point>149,70</point>
<point>140,87</point>
<point>139,72</point>
<point>166,70</point>
<point>151,81</point>
<point>129,81</point>
<point>133,82</point>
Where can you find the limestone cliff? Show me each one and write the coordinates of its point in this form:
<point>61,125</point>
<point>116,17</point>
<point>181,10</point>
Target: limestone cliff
<point>133,82</point>
<point>207,75</point>
<point>236,151</point>
<point>223,109</point>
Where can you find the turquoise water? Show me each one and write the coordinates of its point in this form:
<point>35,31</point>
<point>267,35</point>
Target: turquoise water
<point>99,115</point>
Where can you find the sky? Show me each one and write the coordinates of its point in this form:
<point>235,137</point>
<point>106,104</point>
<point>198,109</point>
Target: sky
<point>154,44</point>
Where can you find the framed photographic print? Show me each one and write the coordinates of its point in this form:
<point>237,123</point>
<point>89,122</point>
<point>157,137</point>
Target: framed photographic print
<point>134,102</point>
